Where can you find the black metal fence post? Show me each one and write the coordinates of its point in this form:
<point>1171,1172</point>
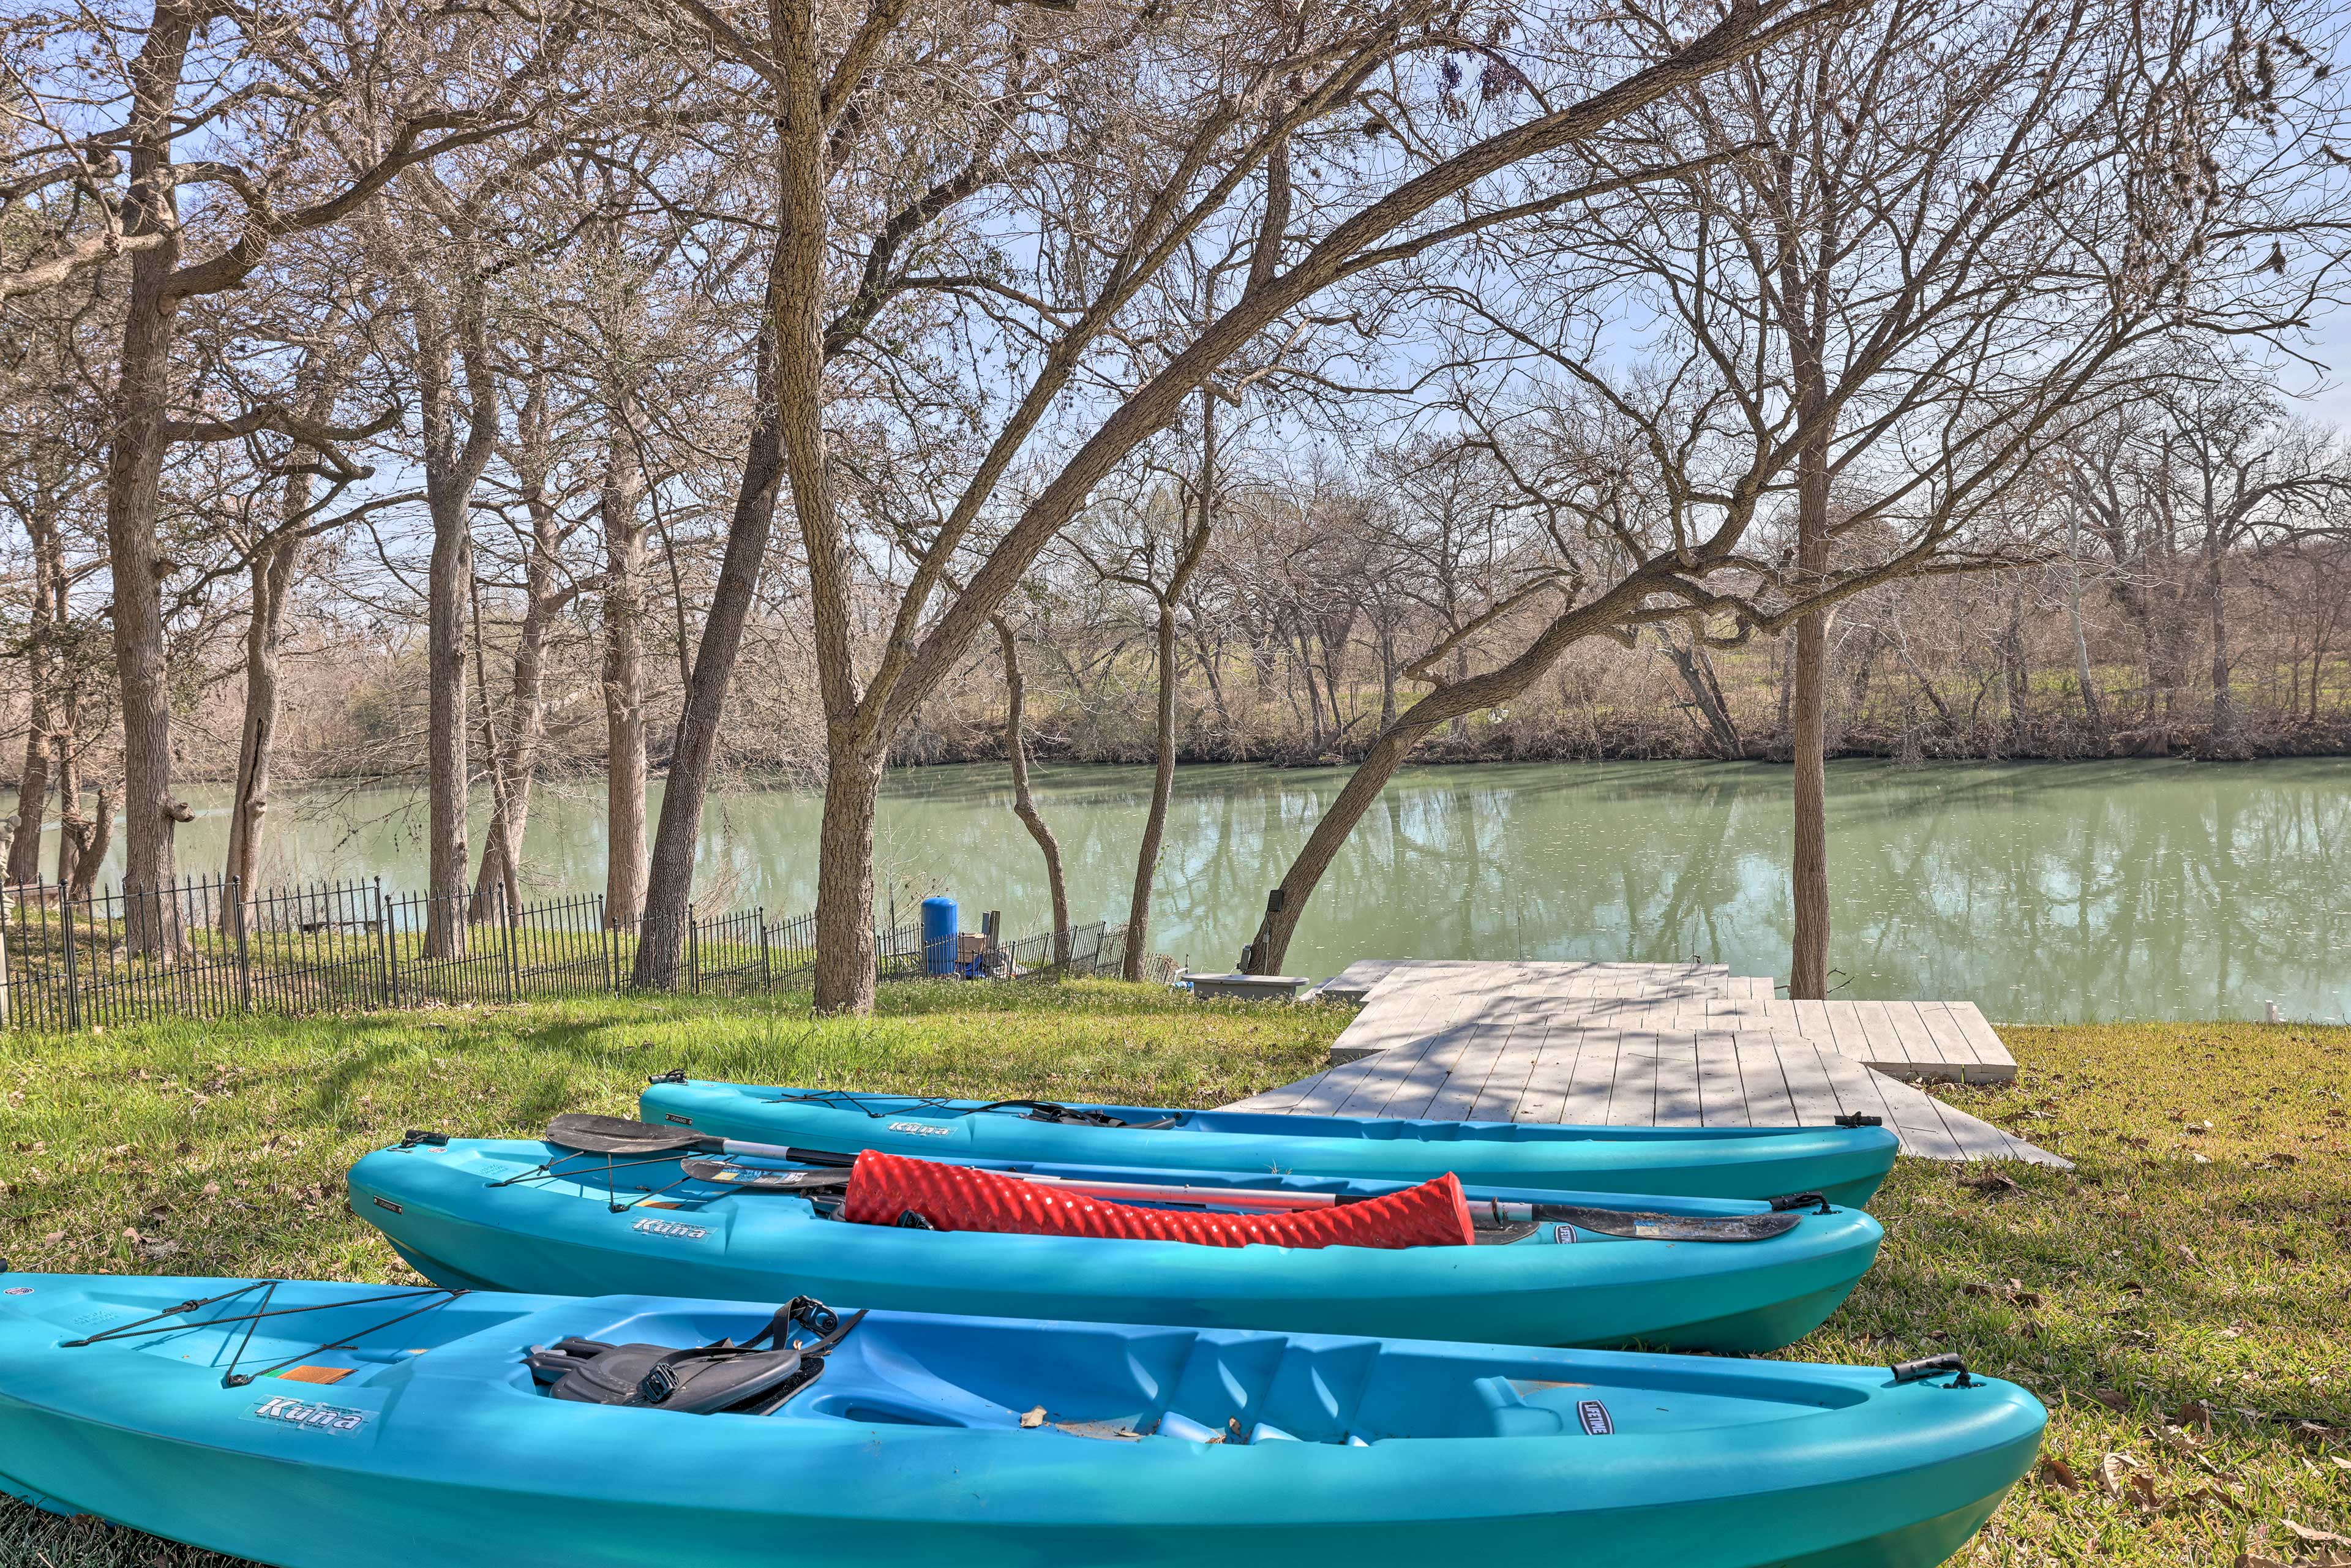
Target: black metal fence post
<point>73,991</point>
<point>513,968</point>
<point>767,970</point>
<point>389,947</point>
<point>235,894</point>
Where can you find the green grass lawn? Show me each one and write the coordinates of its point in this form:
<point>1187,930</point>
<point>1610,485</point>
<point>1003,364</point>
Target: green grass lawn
<point>2179,1299</point>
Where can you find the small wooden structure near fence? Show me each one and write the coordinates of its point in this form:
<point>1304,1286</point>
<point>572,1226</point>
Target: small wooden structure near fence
<point>203,949</point>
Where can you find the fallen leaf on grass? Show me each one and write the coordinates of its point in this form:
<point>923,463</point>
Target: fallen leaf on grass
<point>2310,1537</point>
<point>2117,1472</point>
<point>2112,1398</point>
<point>2057,1472</point>
<point>2195,1413</point>
<point>2176,1439</point>
<point>1993,1184</point>
<point>2013,1292</point>
<point>2314,1431</point>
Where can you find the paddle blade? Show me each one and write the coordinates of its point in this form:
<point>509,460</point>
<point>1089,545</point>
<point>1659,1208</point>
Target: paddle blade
<point>1645,1227</point>
<point>619,1135</point>
<point>750,1180</point>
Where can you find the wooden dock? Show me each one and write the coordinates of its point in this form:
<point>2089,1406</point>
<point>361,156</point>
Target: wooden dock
<point>1648,1045</point>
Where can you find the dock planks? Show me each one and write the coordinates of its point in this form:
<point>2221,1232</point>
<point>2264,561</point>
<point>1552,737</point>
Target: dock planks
<point>1648,1045</point>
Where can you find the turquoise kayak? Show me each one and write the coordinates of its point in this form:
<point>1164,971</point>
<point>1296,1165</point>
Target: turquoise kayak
<point>531,1216</point>
<point>365,1426</point>
<point>1847,1163</point>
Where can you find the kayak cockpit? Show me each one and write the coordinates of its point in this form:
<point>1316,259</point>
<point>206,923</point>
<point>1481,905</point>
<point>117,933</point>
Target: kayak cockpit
<point>1120,1383</point>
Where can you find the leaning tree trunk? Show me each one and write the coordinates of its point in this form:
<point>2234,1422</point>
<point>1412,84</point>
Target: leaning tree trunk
<point>669,884</point>
<point>624,683</point>
<point>1024,806</point>
<point>265,642</point>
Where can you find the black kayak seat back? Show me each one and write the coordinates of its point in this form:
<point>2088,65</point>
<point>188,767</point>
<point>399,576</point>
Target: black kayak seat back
<point>696,1380</point>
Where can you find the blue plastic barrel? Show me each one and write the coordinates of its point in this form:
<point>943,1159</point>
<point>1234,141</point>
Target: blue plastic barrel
<point>938,934</point>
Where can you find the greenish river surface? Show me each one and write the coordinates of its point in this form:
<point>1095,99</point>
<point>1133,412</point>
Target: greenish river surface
<point>2042,892</point>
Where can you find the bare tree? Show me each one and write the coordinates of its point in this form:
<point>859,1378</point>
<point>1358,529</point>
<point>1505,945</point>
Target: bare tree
<point>1208,100</point>
<point>1024,805</point>
<point>136,202</point>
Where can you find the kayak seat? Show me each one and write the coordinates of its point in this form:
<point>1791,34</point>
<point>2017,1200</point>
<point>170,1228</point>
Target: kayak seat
<point>696,1380</point>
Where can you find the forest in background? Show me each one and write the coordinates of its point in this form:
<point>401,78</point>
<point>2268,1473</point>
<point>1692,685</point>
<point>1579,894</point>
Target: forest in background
<point>793,387</point>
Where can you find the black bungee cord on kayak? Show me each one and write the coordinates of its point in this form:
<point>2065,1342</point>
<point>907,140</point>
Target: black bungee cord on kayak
<point>439,1296</point>
<point>1033,1109</point>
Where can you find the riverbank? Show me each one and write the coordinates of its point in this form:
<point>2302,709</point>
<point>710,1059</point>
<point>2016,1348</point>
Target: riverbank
<point>2175,1300</point>
<point>2046,893</point>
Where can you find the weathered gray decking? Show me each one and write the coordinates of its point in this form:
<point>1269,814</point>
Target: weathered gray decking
<point>1643,1045</point>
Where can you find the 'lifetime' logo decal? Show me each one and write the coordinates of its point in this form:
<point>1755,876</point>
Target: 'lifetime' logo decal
<point>311,1415</point>
<point>670,1227</point>
<point>1594,1417</point>
<point>925,1129</point>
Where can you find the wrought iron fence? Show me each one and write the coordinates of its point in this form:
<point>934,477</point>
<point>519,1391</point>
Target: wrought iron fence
<point>203,949</point>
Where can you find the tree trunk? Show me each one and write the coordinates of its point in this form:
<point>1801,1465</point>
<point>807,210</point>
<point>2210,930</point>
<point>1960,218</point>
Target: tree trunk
<point>845,886</point>
<point>1808,694</point>
<point>1387,672</point>
<point>134,475</point>
<point>1265,953</point>
<point>1163,776</point>
<point>450,576</point>
<point>92,838</point>
<point>1706,693</point>
<point>624,684</point>
<point>2018,671</point>
<point>41,742</point>
<point>669,885</point>
<point>2091,707</point>
<point>272,573</point>
<point>1162,787</point>
<point>2224,702</point>
<point>1016,752</point>
<point>497,887</point>
<point>69,808</point>
<point>451,468</point>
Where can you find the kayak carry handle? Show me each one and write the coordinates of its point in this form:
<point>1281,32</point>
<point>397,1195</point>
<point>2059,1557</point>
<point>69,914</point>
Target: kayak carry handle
<point>1790,1200</point>
<point>1930,1365</point>
<point>415,1135</point>
<point>1855,1119</point>
<point>674,1075</point>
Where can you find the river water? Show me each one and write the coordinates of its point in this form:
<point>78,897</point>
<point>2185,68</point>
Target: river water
<point>2042,892</point>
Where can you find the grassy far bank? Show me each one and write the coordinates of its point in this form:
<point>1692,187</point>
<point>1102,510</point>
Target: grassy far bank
<point>2177,1301</point>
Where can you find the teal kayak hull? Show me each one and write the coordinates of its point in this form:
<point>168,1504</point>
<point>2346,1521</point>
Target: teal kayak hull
<point>1846,1163</point>
<point>975,1442</point>
<point>459,1216</point>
